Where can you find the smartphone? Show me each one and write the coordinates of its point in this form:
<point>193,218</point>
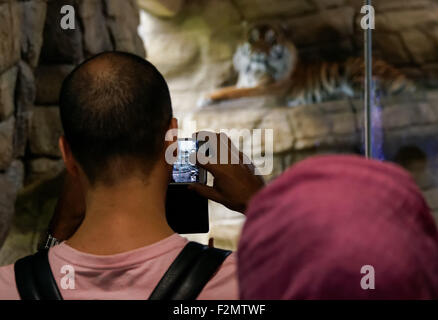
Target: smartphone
<point>186,210</point>
<point>185,171</point>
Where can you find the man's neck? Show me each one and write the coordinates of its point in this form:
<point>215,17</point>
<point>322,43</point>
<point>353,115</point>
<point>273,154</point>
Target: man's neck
<point>124,217</point>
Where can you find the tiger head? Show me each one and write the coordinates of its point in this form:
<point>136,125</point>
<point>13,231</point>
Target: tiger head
<point>265,57</point>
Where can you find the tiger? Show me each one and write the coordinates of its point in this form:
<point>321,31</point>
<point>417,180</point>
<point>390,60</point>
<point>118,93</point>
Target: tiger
<point>268,63</point>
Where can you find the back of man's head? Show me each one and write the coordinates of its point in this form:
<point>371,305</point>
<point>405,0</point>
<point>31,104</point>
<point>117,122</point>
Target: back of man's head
<point>115,110</point>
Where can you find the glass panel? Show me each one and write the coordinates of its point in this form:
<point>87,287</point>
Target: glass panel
<point>404,110</point>
<point>292,69</point>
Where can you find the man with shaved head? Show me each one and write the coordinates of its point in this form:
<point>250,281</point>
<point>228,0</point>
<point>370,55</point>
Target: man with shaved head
<point>115,110</point>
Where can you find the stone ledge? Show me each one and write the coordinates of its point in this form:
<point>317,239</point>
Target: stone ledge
<point>327,128</point>
<point>328,124</point>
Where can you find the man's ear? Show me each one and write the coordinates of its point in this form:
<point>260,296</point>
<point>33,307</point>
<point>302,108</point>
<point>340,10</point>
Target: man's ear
<point>173,130</point>
<point>173,123</point>
<point>170,143</point>
<point>67,156</point>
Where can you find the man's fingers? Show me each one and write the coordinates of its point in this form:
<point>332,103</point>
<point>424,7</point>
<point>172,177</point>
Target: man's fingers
<point>206,191</point>
<point>221,151</point>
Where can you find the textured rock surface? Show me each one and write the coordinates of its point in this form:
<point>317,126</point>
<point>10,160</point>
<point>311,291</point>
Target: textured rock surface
<point>25,96</point>
<point>42,168</point>
<point>15,174</point>
<point>9,34</point>
<point>96,36</point>
<point>258,9</point>
<point>33,210</point>
<point>10,182</point>
<point>49,81</point>
<point>45,130</point>
<point>123,30</point>
<point>162,8</point>
<point>61,46</point>
<point>33,15</point>
<point>6,142</point>
<point>7,200</point>
<point>7,92</point>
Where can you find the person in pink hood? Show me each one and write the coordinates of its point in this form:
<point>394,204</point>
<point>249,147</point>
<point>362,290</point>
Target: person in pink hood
<point>339,227</point>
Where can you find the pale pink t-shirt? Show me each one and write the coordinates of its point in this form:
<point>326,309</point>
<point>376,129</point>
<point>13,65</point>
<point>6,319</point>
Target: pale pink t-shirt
<point>129,275</point>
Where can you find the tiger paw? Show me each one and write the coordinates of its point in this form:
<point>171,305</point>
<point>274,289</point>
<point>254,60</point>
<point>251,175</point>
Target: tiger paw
<point>204,102</point>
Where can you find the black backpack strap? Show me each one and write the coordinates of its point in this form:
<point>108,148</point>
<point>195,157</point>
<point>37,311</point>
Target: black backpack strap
<point>24,279</point>
<point>200,273</point>
<point>34,278</point>
<point>184,280</point>
<point>189,273</point>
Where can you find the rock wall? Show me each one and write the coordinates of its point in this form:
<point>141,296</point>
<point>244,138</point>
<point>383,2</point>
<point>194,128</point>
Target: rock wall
<point>35,56</point>
<point>194,47</point>
<point>15,77</point>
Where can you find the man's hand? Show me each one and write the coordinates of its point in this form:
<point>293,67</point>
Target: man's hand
<point>234,184</point>
<point>69,211</point>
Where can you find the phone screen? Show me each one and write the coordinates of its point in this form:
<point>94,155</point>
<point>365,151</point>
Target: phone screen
<point>183,170</point>
<point>186,210</point>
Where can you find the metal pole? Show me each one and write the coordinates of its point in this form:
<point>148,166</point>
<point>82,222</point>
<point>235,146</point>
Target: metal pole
<point>368,45</point>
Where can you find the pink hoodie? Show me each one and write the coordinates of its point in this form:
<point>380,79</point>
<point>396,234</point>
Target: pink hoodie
<point>339,227</point>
